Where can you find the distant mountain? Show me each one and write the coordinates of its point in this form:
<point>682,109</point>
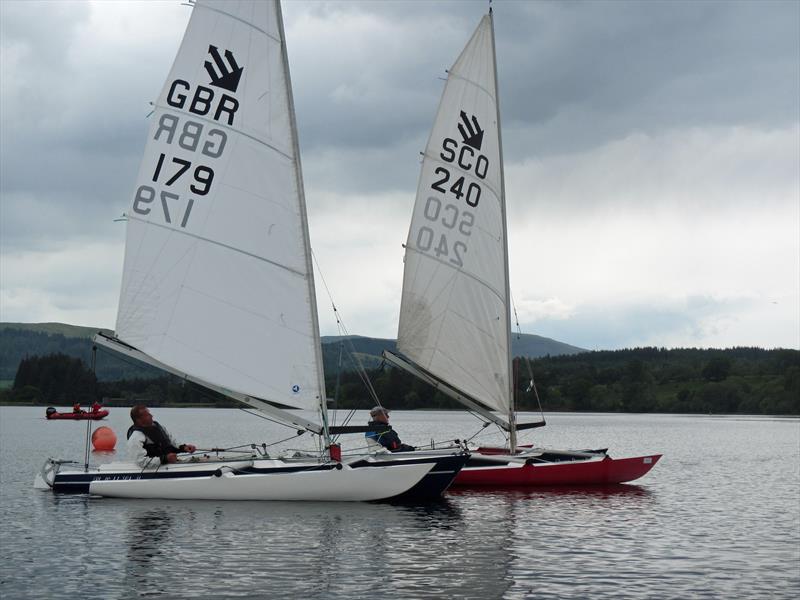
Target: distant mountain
<point>536,346</point>
<point>18,340</point>
<point>533,346</point>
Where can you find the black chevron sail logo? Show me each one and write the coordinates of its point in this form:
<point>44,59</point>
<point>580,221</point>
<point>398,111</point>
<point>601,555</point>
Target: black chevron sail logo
<point>225,76</point>
<point>470,131</point>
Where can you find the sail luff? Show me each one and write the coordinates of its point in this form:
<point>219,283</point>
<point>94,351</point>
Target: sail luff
<point>512,438</point>
<point>323,409</point>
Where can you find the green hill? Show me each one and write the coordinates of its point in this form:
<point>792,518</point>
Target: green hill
<point>687,380</point>
<point>19,340</point>
<point>23,340</point>
<point>368,350</point>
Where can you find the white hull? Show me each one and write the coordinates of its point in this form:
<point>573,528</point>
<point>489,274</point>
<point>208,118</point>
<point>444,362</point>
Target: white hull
<point>345,484</point>
<point>357,479</point>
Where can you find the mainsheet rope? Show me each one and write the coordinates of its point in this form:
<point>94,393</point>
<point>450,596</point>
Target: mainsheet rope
<point>532,385</point>
<point>346,339</point>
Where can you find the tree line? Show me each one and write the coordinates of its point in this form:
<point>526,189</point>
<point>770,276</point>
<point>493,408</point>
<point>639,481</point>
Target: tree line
<point>737,380</point>
<point>730,381</point>
<point>19,344</point>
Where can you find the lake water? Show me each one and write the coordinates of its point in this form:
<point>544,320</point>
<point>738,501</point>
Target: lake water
<point>718,517</point>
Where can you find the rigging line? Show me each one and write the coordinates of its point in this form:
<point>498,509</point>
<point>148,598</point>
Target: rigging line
<point>486,423</point>
<point>218,450</point>
<point>324,283</point>
<point>338,378</point>
<point>343,329</point>
<point>279,442</point>
<point>361,371</point>
<point>516,317</point>
<point>352,412</point>
<point>527,360</point>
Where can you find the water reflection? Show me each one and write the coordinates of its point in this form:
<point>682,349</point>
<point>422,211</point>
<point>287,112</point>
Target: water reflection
<point>147,534</point>
<point>331,550</point>
<point>554,492</point>
<point>694,528</point>
<point>472,544</point>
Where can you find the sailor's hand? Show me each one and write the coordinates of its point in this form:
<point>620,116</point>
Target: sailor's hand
<point>172,457</point>
<point>189,447</point>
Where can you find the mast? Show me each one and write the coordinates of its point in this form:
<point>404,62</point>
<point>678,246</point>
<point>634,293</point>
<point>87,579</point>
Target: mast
<point>512,437</point>
<point>323,408</point>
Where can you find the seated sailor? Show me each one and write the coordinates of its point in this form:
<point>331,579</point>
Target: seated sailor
<point>387,437</point>
<point>149,443</point>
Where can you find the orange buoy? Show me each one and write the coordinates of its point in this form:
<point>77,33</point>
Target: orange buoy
<point>104,438</point>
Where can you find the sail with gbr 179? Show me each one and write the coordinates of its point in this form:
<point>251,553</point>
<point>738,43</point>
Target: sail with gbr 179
<point>218,284</point>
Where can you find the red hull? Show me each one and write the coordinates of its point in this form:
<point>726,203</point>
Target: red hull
<point>94,416</point>
<point>591,472</point>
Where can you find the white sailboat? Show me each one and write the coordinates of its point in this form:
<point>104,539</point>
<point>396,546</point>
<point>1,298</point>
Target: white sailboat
<point>218,283</point>
<point>454,329</point>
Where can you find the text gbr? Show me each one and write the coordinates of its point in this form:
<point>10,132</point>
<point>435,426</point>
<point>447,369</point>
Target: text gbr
<point>190,136</point>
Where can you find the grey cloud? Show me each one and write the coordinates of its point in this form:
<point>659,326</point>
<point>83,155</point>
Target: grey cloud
<point>597,69</point>
<point>72,126</point>
<point>44,31</point>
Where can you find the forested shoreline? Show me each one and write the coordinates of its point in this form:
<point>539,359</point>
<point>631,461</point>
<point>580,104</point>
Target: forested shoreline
<point>641,380</point>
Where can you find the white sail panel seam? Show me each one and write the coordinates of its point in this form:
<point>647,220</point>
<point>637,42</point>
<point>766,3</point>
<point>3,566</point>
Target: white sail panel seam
<point>457,270</point>
<point>235,18</point>
<point>474,83</point>
<point>261,316</point>
<point>223,126</point>
<point>216,243</point>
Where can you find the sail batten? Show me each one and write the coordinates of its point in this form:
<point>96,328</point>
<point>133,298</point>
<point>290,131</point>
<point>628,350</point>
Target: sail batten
<point>226,246</point>
<point>454,317</point>
<point>216,282</point>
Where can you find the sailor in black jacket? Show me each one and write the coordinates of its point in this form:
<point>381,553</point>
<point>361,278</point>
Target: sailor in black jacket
<point>387,437</point>
<point>148,440</point>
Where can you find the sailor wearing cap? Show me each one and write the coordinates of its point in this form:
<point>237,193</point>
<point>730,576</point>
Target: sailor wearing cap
<point>383,433</point>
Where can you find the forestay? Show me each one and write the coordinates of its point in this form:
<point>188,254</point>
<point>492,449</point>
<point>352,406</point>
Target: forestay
<point>217,280</point>
<point>454,319</point>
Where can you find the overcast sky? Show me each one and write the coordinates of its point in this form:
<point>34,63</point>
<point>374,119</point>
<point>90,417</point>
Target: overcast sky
<point>652,155</point>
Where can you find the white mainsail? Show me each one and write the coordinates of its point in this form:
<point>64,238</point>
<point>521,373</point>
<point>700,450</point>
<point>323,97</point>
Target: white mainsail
<point>454,316</point>
<point>218,281</point>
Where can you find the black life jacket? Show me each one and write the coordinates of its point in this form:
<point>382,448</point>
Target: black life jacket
<point>157,442</point>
